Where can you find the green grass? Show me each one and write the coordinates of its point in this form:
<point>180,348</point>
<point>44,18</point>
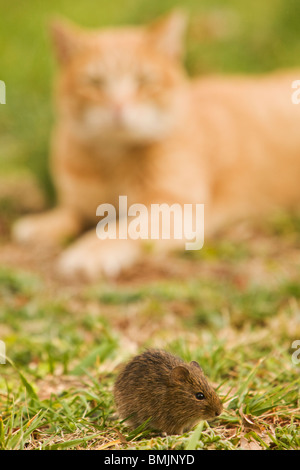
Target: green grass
<point>65,343</point>
<point>234,306</point>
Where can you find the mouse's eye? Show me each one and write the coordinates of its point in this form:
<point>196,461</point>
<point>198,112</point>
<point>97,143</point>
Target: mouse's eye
<point>199,396</point>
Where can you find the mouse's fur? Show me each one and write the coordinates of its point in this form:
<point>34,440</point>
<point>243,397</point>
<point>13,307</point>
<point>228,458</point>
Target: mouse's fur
<point>162,388</point>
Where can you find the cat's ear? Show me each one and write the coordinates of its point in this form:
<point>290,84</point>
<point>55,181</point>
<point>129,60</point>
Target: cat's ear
<point>167,33</point>
<point>66,38</point>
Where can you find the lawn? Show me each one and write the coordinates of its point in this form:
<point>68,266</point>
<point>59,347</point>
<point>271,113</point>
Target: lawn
<point>234,306</point>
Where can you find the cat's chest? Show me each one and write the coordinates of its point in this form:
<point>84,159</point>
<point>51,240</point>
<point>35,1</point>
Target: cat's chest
<point>104,177</point>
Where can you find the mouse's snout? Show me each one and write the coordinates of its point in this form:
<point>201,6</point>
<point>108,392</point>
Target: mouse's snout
<point>219,410</point>
<point>217,407</point>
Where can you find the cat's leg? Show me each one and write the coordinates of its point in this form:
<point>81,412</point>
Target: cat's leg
<point>92,258</point>
<point>52,227</point>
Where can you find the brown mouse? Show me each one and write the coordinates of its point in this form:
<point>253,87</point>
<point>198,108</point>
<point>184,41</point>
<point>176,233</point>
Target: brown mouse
<point>162,388</point>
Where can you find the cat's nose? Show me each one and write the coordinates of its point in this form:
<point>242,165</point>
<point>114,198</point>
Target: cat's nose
<point>118,112</point>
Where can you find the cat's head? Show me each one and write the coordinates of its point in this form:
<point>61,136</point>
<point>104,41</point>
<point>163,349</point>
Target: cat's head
<point>123,84</point>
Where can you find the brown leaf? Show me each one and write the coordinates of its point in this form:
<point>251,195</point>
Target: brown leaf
<point>249,423</point>
<point>249,445</point>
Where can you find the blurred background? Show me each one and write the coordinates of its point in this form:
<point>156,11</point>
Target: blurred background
<point>231,36</point>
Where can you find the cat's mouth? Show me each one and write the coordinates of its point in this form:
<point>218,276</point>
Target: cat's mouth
<point>125,124</point>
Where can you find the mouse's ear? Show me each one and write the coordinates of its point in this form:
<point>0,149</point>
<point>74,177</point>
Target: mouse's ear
<point>179,374</point>
<point>195,364</point>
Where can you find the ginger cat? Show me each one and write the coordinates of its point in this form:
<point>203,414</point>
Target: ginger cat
<point>130,122</point>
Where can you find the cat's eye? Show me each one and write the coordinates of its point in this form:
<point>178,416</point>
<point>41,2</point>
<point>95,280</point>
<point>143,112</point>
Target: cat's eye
<point>147,79</point>
<point>97,81</point>
<point>200,396</point>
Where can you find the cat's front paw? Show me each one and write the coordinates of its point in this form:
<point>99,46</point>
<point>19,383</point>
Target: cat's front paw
<point>32,229</point>
<point>52,227</point>
<point>90,259</point>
